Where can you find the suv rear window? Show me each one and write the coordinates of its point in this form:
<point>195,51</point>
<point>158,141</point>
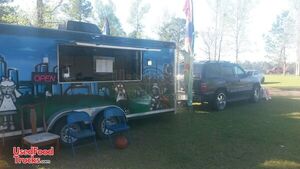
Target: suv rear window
<point>238,71</point>
<point>212,71</point>
<point>227,71</point>
<point>197,70</point>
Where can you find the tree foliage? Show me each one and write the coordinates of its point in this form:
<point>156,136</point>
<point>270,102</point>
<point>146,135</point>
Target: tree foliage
<point>280,38</point>
<point>208,38</point>
<point>46,13</point>
<point>108,11</point>
<point>227,33</point>
<point>296,5</point>
<point>78,10</point>
<point>173,29</point>
<point>238,21</point>
<point>137,11</point>
<point>218,28</point>
<point>11,14</point>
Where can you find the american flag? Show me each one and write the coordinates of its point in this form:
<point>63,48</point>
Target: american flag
<point>189,35</point>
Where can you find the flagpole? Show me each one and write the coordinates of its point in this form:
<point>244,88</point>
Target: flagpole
<point>191,60</point>
<point>189,43</point>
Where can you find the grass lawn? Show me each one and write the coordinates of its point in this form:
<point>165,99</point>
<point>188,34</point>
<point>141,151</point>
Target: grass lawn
<point>283,82</point>
<point>265,135</point>
<point>244,136</point>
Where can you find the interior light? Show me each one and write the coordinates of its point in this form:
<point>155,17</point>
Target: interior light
<point>149,62</point>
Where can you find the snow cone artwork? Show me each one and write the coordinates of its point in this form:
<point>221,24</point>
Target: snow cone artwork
<point>121,97</point>
<point>68,71</point>
<point>8,95</point>
<point>155,98</point>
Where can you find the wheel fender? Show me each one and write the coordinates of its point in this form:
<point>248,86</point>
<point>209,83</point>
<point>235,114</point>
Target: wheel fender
<point>93,112</point>
<point>100,112</point>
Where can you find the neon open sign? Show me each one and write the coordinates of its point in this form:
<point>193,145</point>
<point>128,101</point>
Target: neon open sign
<point>44,77</point>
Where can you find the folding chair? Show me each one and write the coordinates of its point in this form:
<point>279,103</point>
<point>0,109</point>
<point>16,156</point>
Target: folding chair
<point>86,128</point>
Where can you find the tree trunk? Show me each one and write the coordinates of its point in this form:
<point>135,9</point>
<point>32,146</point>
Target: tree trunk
<point>216,29</point>
<point>237,32</point>
<point>284,62</point>
<point>40,13</point>
<point>220,47</point>
<point>298,44</point>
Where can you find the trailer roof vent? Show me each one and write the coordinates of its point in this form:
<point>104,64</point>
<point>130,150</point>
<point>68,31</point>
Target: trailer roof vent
<point>82,27</point>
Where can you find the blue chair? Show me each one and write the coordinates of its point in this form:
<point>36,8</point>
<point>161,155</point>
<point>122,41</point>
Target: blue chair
<point>83,120</point>
<point>115,122</point>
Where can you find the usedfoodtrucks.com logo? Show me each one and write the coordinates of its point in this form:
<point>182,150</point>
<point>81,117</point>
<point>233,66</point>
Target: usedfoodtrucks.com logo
<point>32,155</point>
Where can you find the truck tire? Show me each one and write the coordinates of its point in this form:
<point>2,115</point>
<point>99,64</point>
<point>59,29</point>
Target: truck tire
<point>220,100</point>
<point>262,80</point>
<point>255,94</point>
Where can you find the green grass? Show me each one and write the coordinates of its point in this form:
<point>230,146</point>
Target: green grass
<point>244,136</point>
<point>284,82</point>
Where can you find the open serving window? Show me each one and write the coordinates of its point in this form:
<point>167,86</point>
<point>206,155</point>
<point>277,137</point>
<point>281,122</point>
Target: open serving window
<point>90,64</point>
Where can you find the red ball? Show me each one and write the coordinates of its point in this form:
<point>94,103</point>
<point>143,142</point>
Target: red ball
<point>121,142</point>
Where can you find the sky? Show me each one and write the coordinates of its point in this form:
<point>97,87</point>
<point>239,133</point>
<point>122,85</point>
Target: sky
<point>261,18</point>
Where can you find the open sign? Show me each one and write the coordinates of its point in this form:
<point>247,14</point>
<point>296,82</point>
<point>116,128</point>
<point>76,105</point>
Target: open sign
<point>44,77</point>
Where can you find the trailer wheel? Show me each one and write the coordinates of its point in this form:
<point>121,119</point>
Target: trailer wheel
<point>99,124</point>
<point>61,128</point>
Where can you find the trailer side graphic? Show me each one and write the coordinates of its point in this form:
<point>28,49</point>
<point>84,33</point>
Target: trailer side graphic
<point>68,70</point>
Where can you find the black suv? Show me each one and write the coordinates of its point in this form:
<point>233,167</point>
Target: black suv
<point>220,82</point>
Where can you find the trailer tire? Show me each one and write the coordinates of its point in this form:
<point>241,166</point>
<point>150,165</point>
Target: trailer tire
<point>61,128</point>
<point>102,133</point>
<point>99,124</point>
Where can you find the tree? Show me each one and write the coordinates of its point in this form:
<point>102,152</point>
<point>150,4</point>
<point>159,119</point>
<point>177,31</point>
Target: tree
<point>173,29</point>
<point>107,11</point>
<point>78,10</point>
<point>279,39</point>
<point>209,41</point>
<point>238,20</point>
<point>10,14</point>
<point>137,12</point>
<point>46,12</point>
<point>218,29</point>
<point>296,4</point>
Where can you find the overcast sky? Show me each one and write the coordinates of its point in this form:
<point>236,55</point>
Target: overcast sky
<point>261,18</point>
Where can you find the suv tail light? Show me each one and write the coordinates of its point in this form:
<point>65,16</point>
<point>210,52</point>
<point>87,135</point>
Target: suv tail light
<point>203,87</point>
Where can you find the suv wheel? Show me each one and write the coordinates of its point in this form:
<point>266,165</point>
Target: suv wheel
<point>255,94</point>
<point>220,100</point>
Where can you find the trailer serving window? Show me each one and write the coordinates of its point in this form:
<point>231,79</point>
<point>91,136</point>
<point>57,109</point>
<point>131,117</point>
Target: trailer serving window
<point>89,64</point>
